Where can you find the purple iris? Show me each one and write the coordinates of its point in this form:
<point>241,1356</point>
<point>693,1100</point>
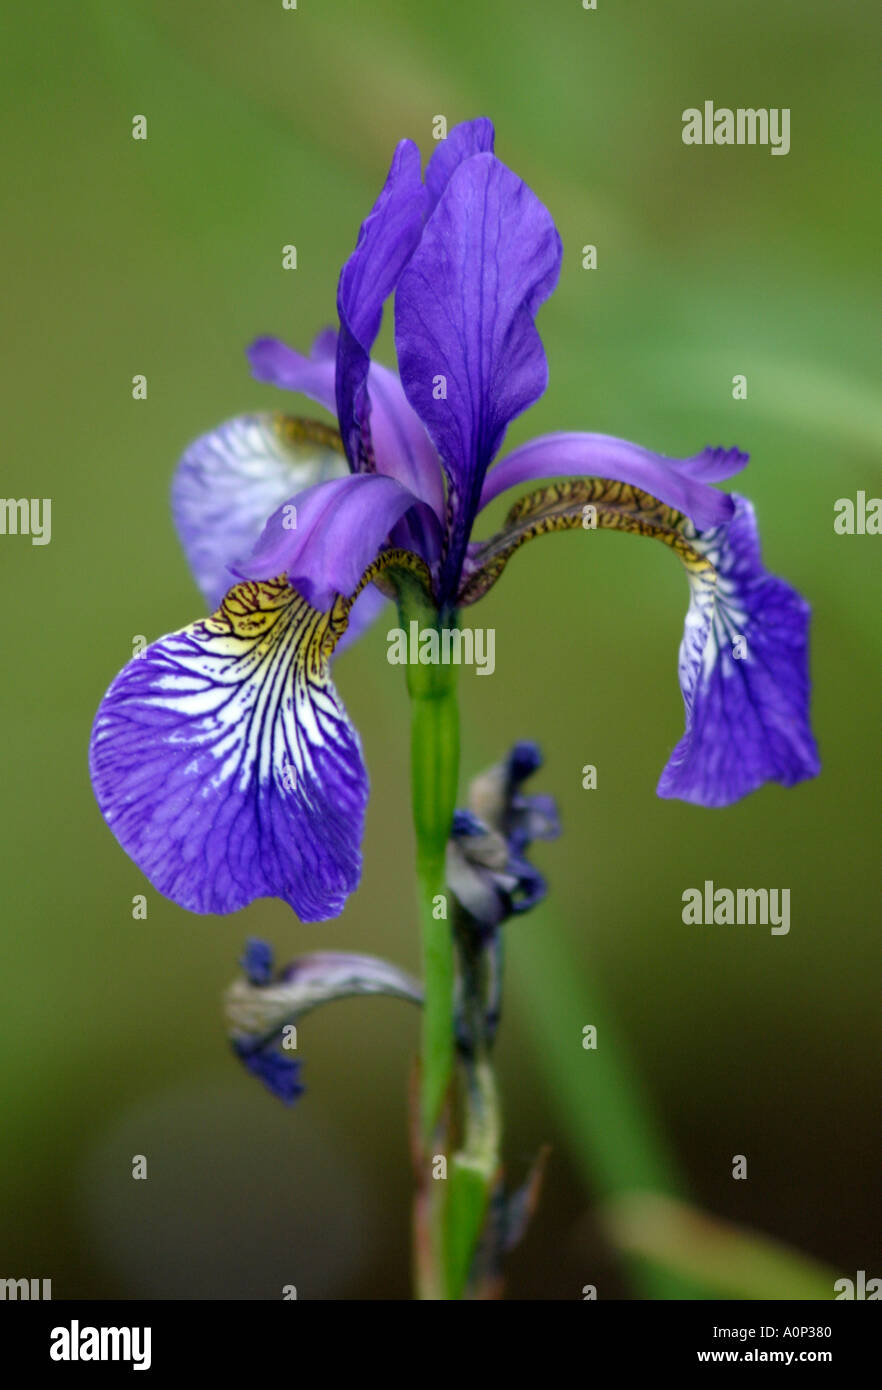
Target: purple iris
<point>222,757</point>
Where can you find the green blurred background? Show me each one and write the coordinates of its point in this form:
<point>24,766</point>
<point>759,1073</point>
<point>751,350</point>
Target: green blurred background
<point>163,257</point>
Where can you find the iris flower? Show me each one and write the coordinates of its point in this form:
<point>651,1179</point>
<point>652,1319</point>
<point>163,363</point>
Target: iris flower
<point>222,757</point>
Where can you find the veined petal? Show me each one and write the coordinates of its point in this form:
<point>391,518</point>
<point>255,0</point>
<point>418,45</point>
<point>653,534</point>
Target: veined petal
<point>468,351</point>
<point>591,503</point>
<point>463,141</point>
<point>229,481</point>
<point>680,483</point>
<point>385,243</point>
<point>224,762</point>
<point>277,364</point>
<point>744,656</point>
<point>743,673</point>
<point>339,527</point>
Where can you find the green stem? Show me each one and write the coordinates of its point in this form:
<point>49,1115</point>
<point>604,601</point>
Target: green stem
<point>435,758</point>
<point>474,1172</point>
<point>435,771</point>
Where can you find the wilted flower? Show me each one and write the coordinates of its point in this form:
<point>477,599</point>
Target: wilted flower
<point>263,1008</point>
<point>487,869</point>
<point>491,881</point>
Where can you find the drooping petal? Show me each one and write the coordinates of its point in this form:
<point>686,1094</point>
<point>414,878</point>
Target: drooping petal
<point>258,1009</point>
<point>465,140</point>
<point>279,1073</point>
<point>223,760</point>
<point>336,530</point>
<point>277,364</point>
<point>743,673</point>
<point>262,1008</point>
<point>229,481</point>
<point>591,503</point>
<point>744,656</point>
<point>469,354</point>
<point>385,243</point>
<point>681,483</point>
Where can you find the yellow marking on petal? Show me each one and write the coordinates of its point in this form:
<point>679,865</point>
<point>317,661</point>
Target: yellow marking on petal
<point>252,609</point>
<point>391,569</point>
<point>295,432</point>
<point>558,507</point>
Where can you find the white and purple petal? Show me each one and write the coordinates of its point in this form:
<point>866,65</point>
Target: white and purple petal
<point>229,481</point>
<point>224,762</point>
<point>743,673</point>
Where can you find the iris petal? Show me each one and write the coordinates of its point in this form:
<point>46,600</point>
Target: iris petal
<point>463,141</point>
<point>385,242</point>
<point>468,351</point>
<point>402,449</point>
<point>744,657</point>
<point>277,364</point>
<point>681,483</point>
<point>229,481</point>
<point>743,673</point>
<point>338,529</point>
<point>224,762</point>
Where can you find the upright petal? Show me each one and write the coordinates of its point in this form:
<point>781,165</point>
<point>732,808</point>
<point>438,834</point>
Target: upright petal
<point>468,351</point>
<point>337,529</point>
<point>224,762</point>
<point>467,139</point>
<point>743,673</point>
<point>385,243</point>
<point>402,448</point>
<point>229,481</point>
<point>681,483</point>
